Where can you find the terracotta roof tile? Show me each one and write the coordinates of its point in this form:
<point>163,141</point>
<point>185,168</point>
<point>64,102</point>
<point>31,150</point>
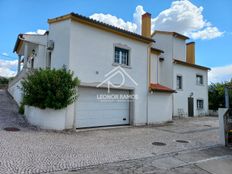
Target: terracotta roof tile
<point>160,88</point>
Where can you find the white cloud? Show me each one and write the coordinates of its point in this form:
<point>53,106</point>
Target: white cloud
<point>113,20</point>
<point>39,32</point>
<point>8,63</point>
<point>5,54</point>
<point>186,18</point>
<point>182,17</point>
<point>207,33</point>
<point>220,74</point>
<point>6,72</point>
<point>7,67</point>
<point>139,11</point>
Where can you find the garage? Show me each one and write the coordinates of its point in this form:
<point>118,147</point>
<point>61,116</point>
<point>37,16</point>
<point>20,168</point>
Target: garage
<point>91,111</point>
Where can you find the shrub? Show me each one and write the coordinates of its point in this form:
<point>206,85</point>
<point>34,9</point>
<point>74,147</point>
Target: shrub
<point>21,109</point>
<point>50,88</point>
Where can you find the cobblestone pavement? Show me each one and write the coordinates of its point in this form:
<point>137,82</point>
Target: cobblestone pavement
<point>33,151</point>
<point>194,161</point>
<point>9,116</point>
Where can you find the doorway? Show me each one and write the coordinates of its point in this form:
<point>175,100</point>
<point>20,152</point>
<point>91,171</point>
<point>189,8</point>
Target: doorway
<point>190,107</point>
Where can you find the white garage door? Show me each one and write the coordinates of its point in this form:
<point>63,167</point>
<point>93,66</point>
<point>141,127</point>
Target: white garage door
<point>92,112</point>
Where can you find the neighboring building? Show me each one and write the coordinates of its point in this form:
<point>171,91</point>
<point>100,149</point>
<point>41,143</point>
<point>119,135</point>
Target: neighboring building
<point>179,71</point>
<point>92,49</point>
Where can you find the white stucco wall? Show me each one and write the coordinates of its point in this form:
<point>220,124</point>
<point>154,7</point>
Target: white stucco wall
<point>39,44</point>
<point>16,92</point>
<point>92,56</point>
<point>60,33</point>
<point>155,69</point>
<point>159,107</point>
<point>189,86</point>
<point>46,118</point>
<point>165,42</point>
<point>40,59</point>
<point>179,49</point>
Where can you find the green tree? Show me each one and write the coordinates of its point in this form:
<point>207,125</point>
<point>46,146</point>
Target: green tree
<point>217,95</point>
<point>4,81</point>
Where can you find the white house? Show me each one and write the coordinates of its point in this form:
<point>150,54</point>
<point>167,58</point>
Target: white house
<point>179,71</point>
<point>141,67</point>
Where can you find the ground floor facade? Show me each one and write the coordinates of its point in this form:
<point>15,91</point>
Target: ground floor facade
<point>30,149</point>
<point>191,97</point>
<point>97,107</point>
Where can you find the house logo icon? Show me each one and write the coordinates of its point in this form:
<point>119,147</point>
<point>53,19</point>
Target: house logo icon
<point>115,72</point>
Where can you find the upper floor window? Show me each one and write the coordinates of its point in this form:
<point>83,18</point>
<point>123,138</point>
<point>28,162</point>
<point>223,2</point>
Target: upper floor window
<point>200,104</point>
<point>179,82</point>
<point>121,56</point>
<point>199,79</point>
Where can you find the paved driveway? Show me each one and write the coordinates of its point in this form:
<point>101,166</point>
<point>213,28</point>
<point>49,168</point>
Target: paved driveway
<point>9,112</point>
<point>31,151</point>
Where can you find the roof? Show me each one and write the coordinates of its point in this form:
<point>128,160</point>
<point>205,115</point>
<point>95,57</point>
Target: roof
<point>160,88</point>
<point>178,35</point>
<point>156,51</point>
<point>101,25</point>
<point>19,42</point>
<point>190,65</point>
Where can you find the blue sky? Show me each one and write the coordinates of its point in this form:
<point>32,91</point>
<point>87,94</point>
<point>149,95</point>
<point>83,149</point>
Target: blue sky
<point>208,22</point>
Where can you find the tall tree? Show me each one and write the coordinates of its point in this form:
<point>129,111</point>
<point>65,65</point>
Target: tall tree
<point>217,95</point>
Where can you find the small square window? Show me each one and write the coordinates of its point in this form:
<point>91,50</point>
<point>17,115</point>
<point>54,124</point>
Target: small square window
<point>199,79</point>
<point>200,104</point>
<point>179,82</point>
<point>121,56</point>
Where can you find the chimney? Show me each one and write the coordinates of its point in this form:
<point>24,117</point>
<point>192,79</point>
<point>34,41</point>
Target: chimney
<point>190,52</point>
<point>146,25</point>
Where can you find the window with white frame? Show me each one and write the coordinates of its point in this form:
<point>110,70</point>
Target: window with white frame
<point>200,104</point>
<point>199,79</point>
<point>179,82</point>
<point>121,56</point>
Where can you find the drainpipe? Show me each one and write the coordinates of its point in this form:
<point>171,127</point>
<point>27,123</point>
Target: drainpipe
<point>172,77</point>
<point>149,76</point>
<point>158,69</point>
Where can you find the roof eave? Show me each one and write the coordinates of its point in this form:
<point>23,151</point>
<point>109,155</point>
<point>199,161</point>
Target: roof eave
<point>171,32</point>
<point>165,91</point>
<point>191,65</point>
<point>18,43</point>
<point>101,25</point>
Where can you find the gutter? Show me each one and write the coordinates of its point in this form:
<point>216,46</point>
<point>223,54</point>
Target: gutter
<point>148,77</point>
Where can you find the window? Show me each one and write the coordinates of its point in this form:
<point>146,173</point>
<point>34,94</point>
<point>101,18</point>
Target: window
<point>179,82</point>
<point>199,79</point>
<point>121,56</point>
<point>200,104</point>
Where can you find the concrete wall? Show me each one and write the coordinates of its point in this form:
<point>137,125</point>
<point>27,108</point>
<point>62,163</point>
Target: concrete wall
<point>60,33</point>
<point>155,69</point>
<point>179,49</point>
<point>48,118</point>
<point>16,92</point>
<point>165,43</point>
<point>92,57</point>
<point>189,86</point>
<point>159,107</point>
